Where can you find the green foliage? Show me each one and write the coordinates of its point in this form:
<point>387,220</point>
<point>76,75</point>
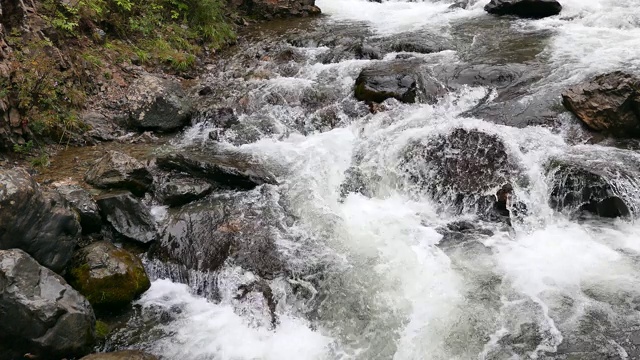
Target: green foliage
<point>23,149</point>
<point>41,160</point>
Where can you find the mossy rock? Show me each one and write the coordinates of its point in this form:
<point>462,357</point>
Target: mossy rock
<point>109,277</point>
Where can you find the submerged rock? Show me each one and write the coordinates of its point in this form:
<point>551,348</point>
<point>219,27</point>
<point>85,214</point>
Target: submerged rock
<point>158,104</point>
<point>40,223</point>
<point>609,103</point>
<point>576,186</point>
<point>401,80</point>
<point>466,169</point>
<point>230,169</point>
<point>121,355</point>
<point>41,314</point>
<point>534,9</point>
<point>82,202</point>
<point>108,276</point>
<point>128,217</point>
<point>116,170</point>
<point>177,191</point>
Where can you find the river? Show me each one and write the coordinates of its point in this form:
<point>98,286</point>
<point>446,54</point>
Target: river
<point>375,275</point>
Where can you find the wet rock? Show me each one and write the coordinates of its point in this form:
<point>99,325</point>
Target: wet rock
<point>401,80</point>
<point>82,202</point>
<point>121,355</point>
<point>352,50</point>
<point>107,276</point>
<point>534,9</point>
<point>177,191</point>
<point>222,120</point>
<point>158,104</point>
<point>40,223</point>
<point>230,169</point>
<point>240,227</point>
<point>116,170</point>
<point>417,42</point>
<point>128,217</point>
<point>41,314</point>
<point>578,186</point>
<point>465,169</point>
<point>269,9</point>
<point>609,103</point>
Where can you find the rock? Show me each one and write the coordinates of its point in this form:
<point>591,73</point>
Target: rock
<point>40,223</point>
<point>402,80</point>
<point>533,9</point>
<point>229,169</point>
<point>580,186</point>
<point>116,170</point>
<point>227,226</point>
<point>107,276</point>
<point>121,355</point>
<point>417,42</point>
<point>128,216</point>
<point>177,191</point>
<point>465,169</point>
<point>158,104</point>
<point>101,128</point>
<point>82,202</point>
<point>269,9</point>
<point>41,314</point>
<point>609,103</point>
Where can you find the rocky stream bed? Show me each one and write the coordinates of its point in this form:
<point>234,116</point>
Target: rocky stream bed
<point>394,180</point>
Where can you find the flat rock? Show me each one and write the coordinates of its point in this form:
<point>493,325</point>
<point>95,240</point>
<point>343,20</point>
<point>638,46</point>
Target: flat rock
<point>116,170</point>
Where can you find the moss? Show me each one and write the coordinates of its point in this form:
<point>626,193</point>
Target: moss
<point>102,330</point>
<point>113,291</point>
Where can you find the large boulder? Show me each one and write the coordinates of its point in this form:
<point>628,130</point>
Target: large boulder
<point>82,202</point>
<point>128,217</point>
<point>40,223</point>
<point>609,103</point>
<point>121,355</point>
<point>269,9</point>
<point>230,169</point>
<point>579,186</point>
<point>464,169</point>
<point>158,104</point>
<point>401,80</point>
<point>41,314</point>
<point>241,227</point>
<point>533,9</point>
<point>109,277</point>
<point>116,170</point>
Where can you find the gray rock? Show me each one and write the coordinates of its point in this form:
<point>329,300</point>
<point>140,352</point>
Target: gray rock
<point>107,276</point>
<point>116,170</point>
<point>82,202</point>
<point>230,169</point>
<point>269,9</point>
<point>158,104</point>
<point>129,218</point>
<point>177,191</point>
<point>534,9</point>
<point>40,223</point>
<point>609,103</point>
<point>403,80</point>
<point>41,314</point>
<point>234,226</point>
<point>101,128</point>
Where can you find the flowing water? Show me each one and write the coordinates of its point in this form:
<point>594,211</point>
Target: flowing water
<point>372,274</point>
